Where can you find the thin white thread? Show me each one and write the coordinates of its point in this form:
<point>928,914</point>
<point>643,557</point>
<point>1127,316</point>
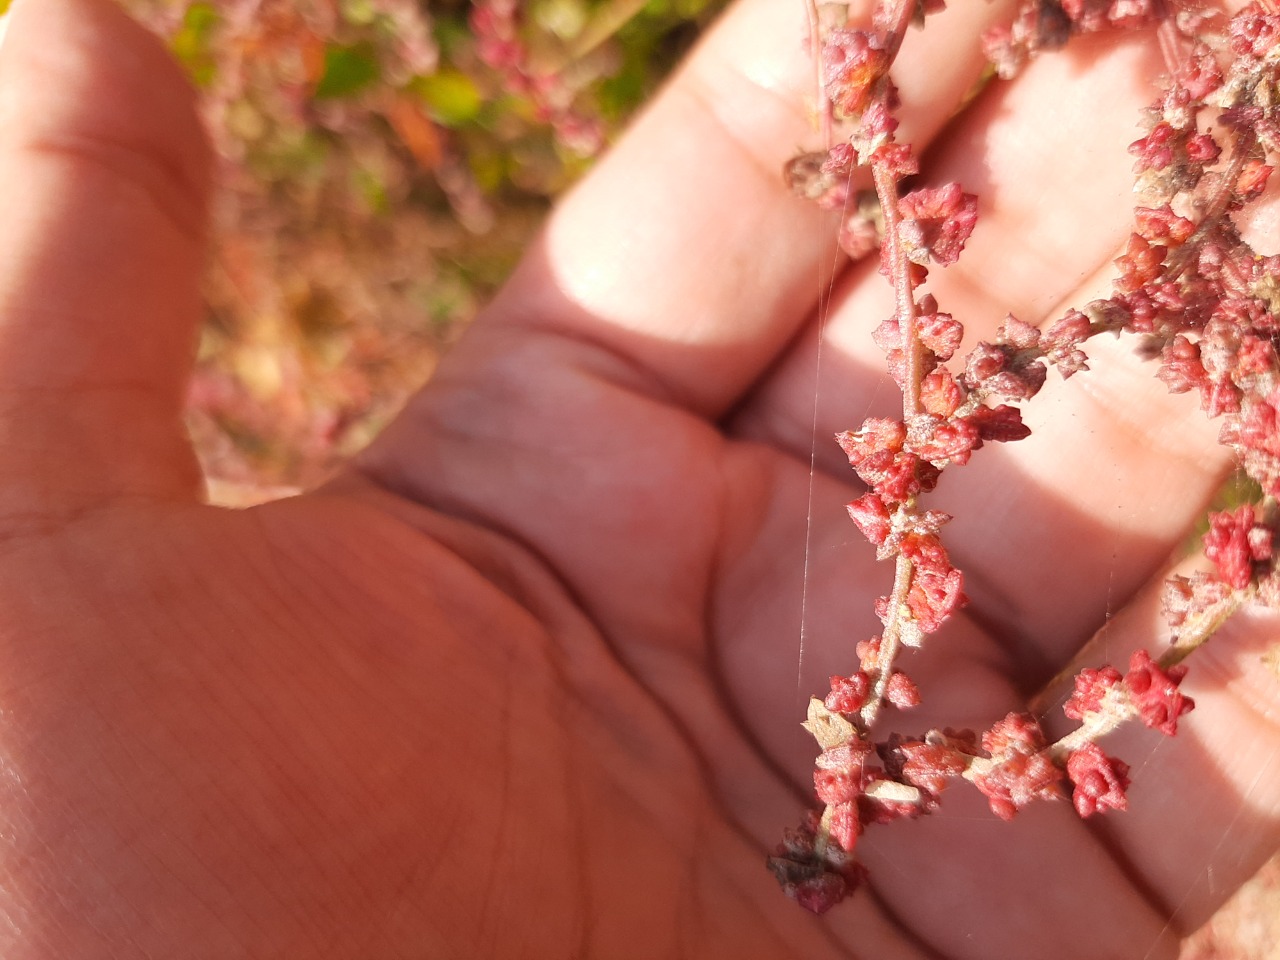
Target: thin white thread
<point>824,304</point>
<point>808,526</point>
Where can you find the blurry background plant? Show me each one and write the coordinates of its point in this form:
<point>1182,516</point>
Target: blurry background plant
<point>382,163</point>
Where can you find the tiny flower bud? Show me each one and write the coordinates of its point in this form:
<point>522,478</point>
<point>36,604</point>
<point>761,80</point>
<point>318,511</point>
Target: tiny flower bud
<point>868,651</point>
<point>1227,545</point>
<point>936,222</point>
<point>1018,780</point>
<point>940,395</point>
<point>1180,366</point>
<point>1020,771</point>
<point>984,362</point>
<point>1062,341</point>
<point>1161,223</point>
<point>902,691</point>
<point>1155,150</point>
<point>1203,148</point>
<point>1099,781</point>
<point>872,517</point>
<point>1092,688</point>
<point>1253,179</point>
<point>1200,74</point>
<point>1002,424</point>
<point>818,894</point>
<point>1155,692</point>
<point>876,435</point>
<point>1139,265</point>
<point>852,62</point>
<point>1017,333</point>
<point>897,158</point>
<point>941,333</point>
<point>928,764</point>
<point>848,694</point>
<point>941,441</point>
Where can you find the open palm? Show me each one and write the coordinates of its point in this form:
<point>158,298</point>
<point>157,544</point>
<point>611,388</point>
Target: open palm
<point>525,680</point>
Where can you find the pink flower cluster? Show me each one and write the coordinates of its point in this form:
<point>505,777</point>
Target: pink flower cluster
<point>496,27</point>
<point>1147,689</point>
<point>1049,25</point>
<point>1020,770</point>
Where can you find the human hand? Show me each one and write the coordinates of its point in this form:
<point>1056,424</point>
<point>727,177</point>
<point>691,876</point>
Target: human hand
<point>524,680</point>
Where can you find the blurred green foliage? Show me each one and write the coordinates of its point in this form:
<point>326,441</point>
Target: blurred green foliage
<point>378,182</point>
<point>347,71</point>
<point>191,42</point>
<point>452,98</point>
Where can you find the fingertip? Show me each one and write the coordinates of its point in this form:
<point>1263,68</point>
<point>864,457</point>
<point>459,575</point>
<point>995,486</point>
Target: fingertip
<point>83,71</point>
<point>104,192</point>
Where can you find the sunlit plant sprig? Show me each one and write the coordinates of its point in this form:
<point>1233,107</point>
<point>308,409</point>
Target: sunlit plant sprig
<point>1188,284</point>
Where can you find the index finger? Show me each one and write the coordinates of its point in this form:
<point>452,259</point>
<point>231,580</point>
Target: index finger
<point>684,253</point>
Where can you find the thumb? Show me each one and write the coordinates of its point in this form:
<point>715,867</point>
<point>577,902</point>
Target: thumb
<point>104,174</point>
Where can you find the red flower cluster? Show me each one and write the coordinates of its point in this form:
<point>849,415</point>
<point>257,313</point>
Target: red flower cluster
<point>848,694</point>
<point>1048,25</point>
<point>1021,770</point>
<point>1092,689</point>
<point>1155,150</point>
<point>937,588</point>
<point>495,25</point>
<point>1149,689</point>
<point>1098,781</point>
<point>852,62</point>
<point>878,455</point>
<point>1155,693</point>
<point>1236,542</point>
<point>840,778</point>
<point>1253,32</point>
<point>936,223</point>
<point>930,763</point>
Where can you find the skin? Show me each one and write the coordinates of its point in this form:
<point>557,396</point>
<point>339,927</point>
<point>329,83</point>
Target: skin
<point>522,681</point>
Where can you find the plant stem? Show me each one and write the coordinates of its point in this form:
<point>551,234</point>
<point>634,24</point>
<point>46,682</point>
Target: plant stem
<point>1169,36</point>
<point>1118,708</point>
<point>899,267</point>
<point>1198,628</point>
<point>822,103</point>
<point>886,185</point>
<point>891,639</point>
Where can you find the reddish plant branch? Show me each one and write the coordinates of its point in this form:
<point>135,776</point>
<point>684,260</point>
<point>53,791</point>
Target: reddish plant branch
<point>1188,284</point>
<point>886,184</point>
